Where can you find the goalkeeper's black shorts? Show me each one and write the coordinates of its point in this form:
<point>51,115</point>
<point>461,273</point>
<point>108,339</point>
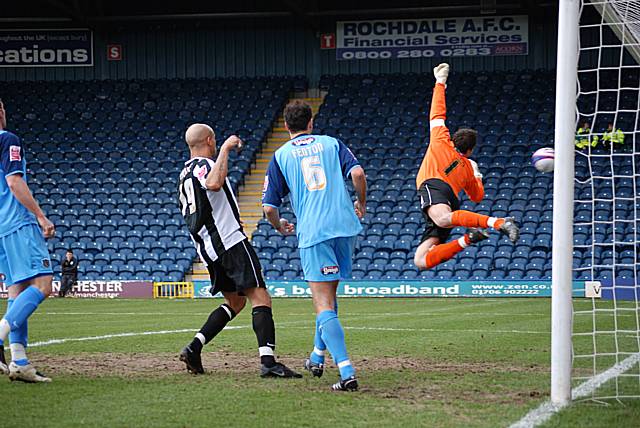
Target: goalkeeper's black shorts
<point>432,192</point>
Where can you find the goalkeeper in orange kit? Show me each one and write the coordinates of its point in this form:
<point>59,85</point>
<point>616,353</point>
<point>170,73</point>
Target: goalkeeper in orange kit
<point>445,171</point>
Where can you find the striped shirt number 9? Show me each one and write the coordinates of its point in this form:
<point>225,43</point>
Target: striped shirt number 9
<point>188,198</point>
<point>314,175</point>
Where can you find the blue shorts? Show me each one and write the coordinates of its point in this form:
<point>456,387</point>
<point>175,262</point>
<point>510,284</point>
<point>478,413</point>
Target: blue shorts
<point>328,260</point>
<point>24,255</point>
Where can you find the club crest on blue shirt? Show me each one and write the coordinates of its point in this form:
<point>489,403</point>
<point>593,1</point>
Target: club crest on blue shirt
<point>330,270</point>
<point>46,263</point>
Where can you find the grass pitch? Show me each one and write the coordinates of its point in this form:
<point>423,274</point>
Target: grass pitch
<point>421,362</point>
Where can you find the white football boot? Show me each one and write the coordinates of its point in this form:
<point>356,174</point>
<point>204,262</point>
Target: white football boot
<point>26,373</point>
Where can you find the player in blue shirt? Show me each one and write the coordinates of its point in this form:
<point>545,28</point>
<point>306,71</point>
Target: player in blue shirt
<point>25,265</point>
<point>312,169</point>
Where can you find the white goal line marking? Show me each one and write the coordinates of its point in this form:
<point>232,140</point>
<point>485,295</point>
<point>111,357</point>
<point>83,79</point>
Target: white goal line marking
<point>547,409</point>
<point>193,330</point>
<point>377,314</point>
<point>41,314</point>
<point>140,333</point>
<point>116,335</point>
<point>433,312</point>
<point>284,325</point>
<point>367,314</point>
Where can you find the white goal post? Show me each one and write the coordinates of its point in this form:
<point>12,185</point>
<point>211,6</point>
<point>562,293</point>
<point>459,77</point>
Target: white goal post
<point>595,344</point>
<point>563,176</point>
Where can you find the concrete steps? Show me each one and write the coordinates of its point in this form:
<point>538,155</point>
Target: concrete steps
<point>250,194</point>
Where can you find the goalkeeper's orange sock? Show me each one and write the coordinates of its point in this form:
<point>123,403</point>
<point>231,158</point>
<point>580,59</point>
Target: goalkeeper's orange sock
<point>471,219</point>
<point>443,252</point>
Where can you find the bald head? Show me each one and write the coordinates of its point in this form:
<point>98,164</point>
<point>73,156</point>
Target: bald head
<point>198,134</point>
<point>201,140</point>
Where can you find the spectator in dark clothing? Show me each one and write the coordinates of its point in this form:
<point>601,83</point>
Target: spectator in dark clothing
<point>69,273</point>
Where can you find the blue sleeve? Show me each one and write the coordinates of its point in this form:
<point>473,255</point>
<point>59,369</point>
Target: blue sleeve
<point>347,159</point>
<point>275,186</point>
<point>11,155</point>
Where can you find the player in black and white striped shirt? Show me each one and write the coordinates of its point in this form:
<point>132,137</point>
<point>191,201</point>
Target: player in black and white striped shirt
<point>212,216</point>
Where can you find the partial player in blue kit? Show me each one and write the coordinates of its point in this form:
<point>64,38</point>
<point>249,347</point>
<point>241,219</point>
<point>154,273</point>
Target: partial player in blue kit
<point>312,169</point>
<point>25,265</point>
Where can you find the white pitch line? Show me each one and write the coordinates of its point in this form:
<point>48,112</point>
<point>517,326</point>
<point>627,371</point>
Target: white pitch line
<point>547,409</point>
<point>359,315</point>
<point>471,314</point>
<point>116,335</point>
<point>119,313</point>
<point>284,325</point>
<point>432,311</point>
<point>141,333</point>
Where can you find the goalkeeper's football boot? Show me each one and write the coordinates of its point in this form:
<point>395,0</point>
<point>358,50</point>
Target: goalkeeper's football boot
<point>349,384</point>
<point>4,369</point>
<point>510,228</point>
<point>27,374</point>
<point>477,235</point>
<point>278,370</point>
<point>314,368</point>
<point>192,359</point>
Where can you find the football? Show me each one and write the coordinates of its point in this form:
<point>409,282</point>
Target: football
<point>542,159</point>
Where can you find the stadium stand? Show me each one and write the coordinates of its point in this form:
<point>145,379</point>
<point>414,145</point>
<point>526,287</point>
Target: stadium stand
<point>384,120</point>
<point>105,155</point>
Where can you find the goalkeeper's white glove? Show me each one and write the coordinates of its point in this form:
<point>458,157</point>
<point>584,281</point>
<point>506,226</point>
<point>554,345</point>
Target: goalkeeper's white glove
<point>476,170</point>
<point>441,72</point>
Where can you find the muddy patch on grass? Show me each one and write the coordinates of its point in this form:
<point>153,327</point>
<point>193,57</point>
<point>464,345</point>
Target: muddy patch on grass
<point>444,388</point>
<point>131,364</point>
<point>422,365</point>
<point>438,388</point>
<point>417,394</point>
<point>140,364</point>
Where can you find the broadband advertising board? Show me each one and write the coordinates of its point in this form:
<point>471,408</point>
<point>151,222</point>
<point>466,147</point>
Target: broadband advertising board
<point>426,38</point>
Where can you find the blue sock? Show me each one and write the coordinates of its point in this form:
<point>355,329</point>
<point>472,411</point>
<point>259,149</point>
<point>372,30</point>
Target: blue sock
<point>317,356</point>
<point>333,336</point>
<point>21,334</point>
<point>23,306</point>
<point>319,347</point>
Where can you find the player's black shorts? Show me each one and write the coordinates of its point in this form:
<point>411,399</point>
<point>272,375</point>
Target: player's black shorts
<point>435,191</point>
<point>237,269</point>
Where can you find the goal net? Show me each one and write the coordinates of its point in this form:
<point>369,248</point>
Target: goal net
<point>606,327</point>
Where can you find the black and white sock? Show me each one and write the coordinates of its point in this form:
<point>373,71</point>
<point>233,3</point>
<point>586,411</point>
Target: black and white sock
<point>214,325</point>
<point>265,333</point>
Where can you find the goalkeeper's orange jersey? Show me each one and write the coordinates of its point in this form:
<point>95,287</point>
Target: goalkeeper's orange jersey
<point>442,160</point>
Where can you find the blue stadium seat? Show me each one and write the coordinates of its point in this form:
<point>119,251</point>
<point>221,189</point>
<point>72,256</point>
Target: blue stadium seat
<point>95,176</point>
